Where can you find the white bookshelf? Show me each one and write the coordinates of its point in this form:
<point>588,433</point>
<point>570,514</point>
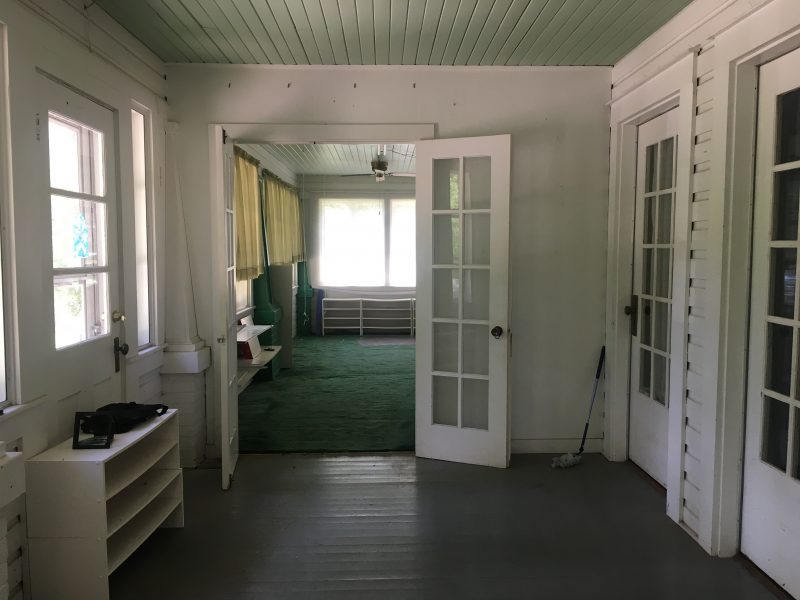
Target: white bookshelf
<point>89,510</point>
<point>247,368</point>
<point>369,315</point>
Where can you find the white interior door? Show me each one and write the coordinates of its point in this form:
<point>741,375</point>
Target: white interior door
<point>229,392</point>
<point>652,291</point>
<point>462,299</point>
<point>81,249</point>
<point>771,497</point>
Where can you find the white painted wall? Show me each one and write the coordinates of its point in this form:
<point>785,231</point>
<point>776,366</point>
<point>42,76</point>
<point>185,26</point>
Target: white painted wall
<point>558,120</point>
<point>94,54</point>
<point>724,42</point>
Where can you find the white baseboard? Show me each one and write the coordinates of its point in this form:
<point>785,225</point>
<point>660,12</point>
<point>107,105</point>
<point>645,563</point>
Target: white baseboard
<point>555,446</point>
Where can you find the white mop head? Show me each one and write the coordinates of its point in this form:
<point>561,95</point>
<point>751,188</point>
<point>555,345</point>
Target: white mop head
<point>565,461</point>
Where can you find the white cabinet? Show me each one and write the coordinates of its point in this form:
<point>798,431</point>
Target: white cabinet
<point>88,510</point>
<point>369,315</point>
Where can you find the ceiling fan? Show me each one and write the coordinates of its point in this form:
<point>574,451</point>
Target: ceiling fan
<point>380,168</point>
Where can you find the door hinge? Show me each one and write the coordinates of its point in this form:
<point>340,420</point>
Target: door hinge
<point>38,128</point>
<point>224,136</point>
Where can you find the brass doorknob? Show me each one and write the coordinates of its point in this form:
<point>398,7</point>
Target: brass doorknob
<point>117,316</point>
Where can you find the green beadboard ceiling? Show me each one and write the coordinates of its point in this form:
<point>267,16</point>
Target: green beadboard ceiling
<point>393,32</point>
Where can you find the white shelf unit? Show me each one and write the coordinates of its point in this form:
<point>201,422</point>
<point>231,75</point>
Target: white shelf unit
<point>262,355</point>
<point>369,315</point>
<point>89,510</point>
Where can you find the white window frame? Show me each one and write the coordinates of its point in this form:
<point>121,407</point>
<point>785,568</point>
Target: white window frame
<point>147,113</point>
<point>387,234</point>
<point>8,287</point>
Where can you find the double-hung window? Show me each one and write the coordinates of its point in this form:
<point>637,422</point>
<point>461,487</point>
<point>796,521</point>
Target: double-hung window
<point>367,242</point>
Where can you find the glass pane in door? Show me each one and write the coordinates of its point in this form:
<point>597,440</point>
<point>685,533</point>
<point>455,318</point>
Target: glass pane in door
<point>80,303</point>
<point>446,184</point>
<point>445,400</point>
<point>477,182</point>
<point>783,280</point>
<point>776,433</point>
<point>788,132</point>
<point>475,403</point>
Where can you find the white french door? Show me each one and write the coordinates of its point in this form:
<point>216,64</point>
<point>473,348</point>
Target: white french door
<point>652,294</point>
<point>771,494</point>
<point>78,143</point>
<point>462,299</point>
<point>226,343</point>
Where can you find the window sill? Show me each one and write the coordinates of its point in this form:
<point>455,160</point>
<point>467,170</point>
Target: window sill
<point>145,353</point>
<point>11,411</point>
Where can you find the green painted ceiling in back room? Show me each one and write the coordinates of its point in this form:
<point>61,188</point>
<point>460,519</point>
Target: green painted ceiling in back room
<point>393,32</point>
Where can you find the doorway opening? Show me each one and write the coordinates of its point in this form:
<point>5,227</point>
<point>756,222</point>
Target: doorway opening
<point>342,312</point>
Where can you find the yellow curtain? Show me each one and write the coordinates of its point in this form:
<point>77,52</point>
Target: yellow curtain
<point>284,223</point>
<point>249,248</point>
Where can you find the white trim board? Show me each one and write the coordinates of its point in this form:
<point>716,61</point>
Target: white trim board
<point>699,22</point>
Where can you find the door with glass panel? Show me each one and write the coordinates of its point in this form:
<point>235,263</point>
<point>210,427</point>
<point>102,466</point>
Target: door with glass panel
<point>462,299</point>
<point>88,337</point>
<point>651,305</point>
<point>771,495</point>
<point>229,390</point>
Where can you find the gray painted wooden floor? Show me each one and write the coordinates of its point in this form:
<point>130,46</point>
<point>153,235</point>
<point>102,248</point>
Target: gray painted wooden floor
<point>392,526</point>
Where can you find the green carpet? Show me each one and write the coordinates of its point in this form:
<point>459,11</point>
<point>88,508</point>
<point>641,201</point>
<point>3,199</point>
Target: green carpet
<point>338,396</point>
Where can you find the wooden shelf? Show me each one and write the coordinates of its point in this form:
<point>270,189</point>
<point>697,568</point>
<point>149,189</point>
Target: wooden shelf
<point>125,505</point>
<point>134,464</point>
<point>366,314</point>
<point>123,543</point>
<point>262,360</point>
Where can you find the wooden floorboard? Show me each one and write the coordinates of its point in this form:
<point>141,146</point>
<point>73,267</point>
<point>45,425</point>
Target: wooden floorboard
<point>392,526</point>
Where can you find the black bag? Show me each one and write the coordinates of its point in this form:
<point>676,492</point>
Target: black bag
<point>125,416</point>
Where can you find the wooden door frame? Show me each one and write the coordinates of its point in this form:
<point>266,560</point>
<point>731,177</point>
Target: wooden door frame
<point>272,133</point>
<point>673,89</point>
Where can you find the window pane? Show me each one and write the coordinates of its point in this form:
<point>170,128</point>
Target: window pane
<point>660,376</point>
<point>77,156</point>
<point>80,303</point>
<point>65,155</point>
<point>445,400</point>
<point>445,184</point>
<point>644,372</point>
<point>775,443</point>
<point>476,294</point>
<point>446,239</point>
<point>475,403</point>
<point>403,244</point>
<point>477,182</point>
<point>667,158</point>
<point>783,278</point>
<point>650,168</point>
<point>788,127</point>
<point>779,358</point>
<point>649,220</point>
<point>445,347</point>
<point>352,250</point>
<point>787,197</point>
<point>665,219</point>
<point>79,233</point>
<point>140,202</point>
